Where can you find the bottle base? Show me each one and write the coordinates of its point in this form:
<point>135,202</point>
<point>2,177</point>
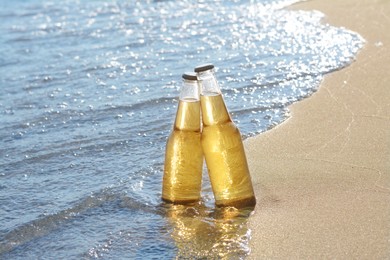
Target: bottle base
<point>180,202</point>
<point>239,203</point>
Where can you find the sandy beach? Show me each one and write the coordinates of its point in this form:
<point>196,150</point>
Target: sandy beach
<point>322,177</point>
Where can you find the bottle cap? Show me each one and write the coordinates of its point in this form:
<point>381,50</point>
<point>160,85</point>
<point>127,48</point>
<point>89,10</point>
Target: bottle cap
<point>204,67</point>
<point>190,76</point>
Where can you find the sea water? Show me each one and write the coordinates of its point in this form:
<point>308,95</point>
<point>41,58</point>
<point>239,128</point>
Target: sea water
<point>88,95</point>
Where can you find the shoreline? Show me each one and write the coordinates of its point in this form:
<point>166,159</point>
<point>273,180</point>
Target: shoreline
<point>322,177</point>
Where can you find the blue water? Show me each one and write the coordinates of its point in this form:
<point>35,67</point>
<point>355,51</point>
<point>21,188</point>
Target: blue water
<point>88,95</point>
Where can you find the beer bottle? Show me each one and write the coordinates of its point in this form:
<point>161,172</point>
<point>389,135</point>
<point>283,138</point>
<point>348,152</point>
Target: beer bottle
<point>183,154</point>
<point>222,146</point>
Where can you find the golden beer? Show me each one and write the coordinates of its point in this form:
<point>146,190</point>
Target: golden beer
<point>222,147</point>
<point>183,155</point>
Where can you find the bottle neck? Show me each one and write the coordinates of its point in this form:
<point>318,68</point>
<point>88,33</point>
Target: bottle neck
<point>208,83</point>
<point>188,116</point>
<point>213,107</point>
<point>214,110</point>
<point>188,112</point>
<point>189,91</point>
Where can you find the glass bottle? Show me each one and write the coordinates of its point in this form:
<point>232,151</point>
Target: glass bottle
<point>222,146</point>
<point>183,154</point>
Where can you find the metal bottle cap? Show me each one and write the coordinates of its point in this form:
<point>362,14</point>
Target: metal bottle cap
<point>190,76</point>
<point>204,67</point>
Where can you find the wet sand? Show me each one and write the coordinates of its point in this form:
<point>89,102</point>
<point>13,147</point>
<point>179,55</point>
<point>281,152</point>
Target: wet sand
<point>322,178</point>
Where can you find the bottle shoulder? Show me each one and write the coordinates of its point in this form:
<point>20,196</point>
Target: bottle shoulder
<point>227,128</point>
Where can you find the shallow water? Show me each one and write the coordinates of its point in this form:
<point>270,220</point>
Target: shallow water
<point>88,95</point>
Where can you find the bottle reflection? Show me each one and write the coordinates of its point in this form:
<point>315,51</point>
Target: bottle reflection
<point>202,232</point>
